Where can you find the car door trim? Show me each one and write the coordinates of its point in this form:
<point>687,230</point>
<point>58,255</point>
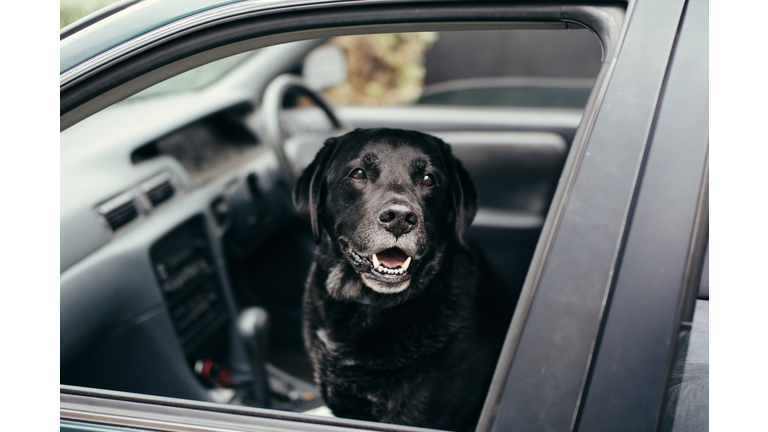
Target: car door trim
<point>551,348</point>
<point>179,415</point>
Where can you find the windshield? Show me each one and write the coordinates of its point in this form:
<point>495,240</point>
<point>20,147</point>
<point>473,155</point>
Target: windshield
<point>195,79</point>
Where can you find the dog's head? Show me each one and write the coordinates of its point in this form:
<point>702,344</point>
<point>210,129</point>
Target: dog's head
<point>386,205</point>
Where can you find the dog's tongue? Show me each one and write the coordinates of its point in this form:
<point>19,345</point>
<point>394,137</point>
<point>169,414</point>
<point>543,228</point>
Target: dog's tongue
<point>392,257</point>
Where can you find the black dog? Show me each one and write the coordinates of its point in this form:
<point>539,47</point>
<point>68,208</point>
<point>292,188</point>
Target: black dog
<point>403,318</point>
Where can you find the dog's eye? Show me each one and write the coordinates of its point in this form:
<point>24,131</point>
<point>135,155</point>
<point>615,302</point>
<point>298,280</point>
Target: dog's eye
<point>357,174</point>
<point>428,180</point>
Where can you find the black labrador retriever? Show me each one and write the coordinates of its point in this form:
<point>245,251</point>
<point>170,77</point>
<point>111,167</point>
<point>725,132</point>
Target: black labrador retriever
<point>404,318</point>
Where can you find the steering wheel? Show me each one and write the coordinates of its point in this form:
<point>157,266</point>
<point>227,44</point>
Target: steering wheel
<point>271,110</point>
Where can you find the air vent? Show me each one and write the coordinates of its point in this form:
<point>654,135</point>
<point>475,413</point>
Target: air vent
<point>121,215</point>
<point>138,202</point>
<point>157,190</point>
<point>119,211</point>
<point>160,193</point>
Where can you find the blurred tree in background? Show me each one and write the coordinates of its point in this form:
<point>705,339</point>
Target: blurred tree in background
<point>72,10</point>
<point>382,69</point>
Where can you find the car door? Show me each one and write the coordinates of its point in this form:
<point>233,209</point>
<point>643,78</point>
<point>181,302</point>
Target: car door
<point>610,373</point>
<point>592,277</point>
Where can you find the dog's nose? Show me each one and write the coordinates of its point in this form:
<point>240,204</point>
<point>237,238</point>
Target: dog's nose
<point>398,218</point>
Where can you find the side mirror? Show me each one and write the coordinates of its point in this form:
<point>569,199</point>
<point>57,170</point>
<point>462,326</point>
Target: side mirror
<point>325,67</point>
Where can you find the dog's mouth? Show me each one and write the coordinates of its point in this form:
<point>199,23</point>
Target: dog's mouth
<point>385,271</point>
<point>392,261</point>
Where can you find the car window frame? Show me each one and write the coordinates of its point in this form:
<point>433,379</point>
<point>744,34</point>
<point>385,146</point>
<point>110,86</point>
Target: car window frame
<point>128,68</point>
<point>88,404</point>
<point>633,355</point>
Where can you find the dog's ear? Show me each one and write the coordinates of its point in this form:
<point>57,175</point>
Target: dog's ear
<point>464,199</point>
<point>463,193</point>
<point>308,191</point>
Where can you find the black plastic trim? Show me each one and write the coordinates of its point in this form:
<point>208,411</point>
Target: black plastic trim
<point>609,23</point>
<point>656,282</point>
<point>622,248</point>
<point>554,350</point>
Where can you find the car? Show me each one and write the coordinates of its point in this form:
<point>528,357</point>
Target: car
<point>182,260</point>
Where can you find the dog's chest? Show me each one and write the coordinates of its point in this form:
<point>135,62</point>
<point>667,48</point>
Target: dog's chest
<point>392,396</point>
<point>372,381</point>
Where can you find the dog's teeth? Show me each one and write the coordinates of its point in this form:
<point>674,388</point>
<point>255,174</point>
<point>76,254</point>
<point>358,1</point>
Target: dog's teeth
<point>380,268</point>
<point>406,264</point>
<point>376,263</point>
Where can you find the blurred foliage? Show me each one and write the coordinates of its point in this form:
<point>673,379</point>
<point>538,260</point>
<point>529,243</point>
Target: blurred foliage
<point>382,69</point>
<point>72,10</point>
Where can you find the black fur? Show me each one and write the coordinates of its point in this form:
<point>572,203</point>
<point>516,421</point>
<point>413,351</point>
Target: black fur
<point>421,355</point>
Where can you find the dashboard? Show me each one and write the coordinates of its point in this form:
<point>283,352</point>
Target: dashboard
<point>147,195</point>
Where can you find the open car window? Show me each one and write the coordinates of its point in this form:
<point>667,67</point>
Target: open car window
<point>170,129</point>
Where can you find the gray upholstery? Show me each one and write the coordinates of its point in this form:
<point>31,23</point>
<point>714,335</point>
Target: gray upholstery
<point>687,408</point>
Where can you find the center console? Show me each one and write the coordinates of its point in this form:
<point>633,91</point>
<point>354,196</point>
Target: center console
<point>190,282</point>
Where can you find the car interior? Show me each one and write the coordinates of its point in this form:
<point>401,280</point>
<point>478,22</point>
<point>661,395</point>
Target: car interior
<point>183,260</point>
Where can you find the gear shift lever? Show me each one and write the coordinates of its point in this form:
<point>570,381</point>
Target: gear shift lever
<point>253,327</point>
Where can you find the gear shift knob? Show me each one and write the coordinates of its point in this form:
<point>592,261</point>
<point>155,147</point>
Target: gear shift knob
<point>253,327</point>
